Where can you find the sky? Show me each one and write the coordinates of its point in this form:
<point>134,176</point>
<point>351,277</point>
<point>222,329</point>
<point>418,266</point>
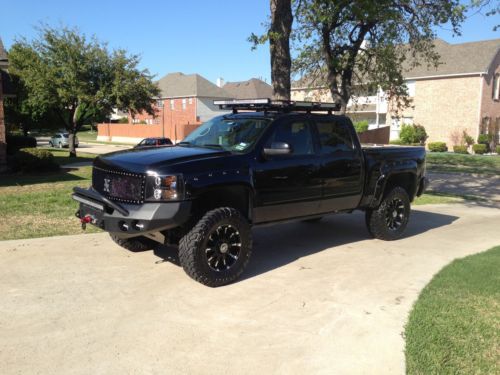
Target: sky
<point>208,37</point>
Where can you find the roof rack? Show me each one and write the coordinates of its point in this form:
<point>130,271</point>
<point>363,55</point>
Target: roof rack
<point>266,104</point>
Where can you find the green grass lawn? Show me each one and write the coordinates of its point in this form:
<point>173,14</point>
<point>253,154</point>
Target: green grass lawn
<point>450,162</point>
<point>434,197</point>
<point>41,205</point>
<point>454,327</point>
<point>61,157</point>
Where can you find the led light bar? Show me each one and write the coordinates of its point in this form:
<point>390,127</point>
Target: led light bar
<point>266,104</point>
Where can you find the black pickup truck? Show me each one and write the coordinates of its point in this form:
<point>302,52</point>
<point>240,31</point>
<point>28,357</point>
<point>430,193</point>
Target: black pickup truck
<point>266,162</point>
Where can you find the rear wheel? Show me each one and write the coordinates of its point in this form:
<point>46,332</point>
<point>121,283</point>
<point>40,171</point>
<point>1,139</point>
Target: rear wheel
<point>50,144</point>
<point>388,222</point>
<point>217,249</point>
<point>134,244</point>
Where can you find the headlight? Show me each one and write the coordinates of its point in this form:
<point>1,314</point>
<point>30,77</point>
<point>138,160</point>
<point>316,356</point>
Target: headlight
<point>164,187</point>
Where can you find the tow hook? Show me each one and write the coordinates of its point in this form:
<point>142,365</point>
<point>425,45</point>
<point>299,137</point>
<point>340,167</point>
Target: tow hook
<point>85,220</point>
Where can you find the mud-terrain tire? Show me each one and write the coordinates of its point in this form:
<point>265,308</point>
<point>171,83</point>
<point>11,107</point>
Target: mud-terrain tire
<point>217,249</point>
<point>135,244</point>
<point>388,222</point>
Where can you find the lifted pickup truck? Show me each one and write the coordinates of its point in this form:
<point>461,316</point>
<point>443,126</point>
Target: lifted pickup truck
<point>266,162</point>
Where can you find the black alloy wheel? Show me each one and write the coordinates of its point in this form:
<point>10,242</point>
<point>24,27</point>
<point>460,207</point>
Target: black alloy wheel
<point>223,247</point>
<point>389,220</point>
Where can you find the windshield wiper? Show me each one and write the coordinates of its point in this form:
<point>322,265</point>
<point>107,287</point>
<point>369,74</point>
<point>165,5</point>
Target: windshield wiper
<point>212,145</point>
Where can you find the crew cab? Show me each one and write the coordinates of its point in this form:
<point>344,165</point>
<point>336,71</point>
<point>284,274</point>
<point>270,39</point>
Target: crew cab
<point>264,162</point>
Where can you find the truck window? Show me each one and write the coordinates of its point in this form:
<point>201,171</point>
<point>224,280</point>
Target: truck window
<point>334,136</point>
<point>296,134</point>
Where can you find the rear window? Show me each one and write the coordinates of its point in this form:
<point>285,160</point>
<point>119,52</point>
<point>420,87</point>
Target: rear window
<point>334,136</point>
<point>65,135</point>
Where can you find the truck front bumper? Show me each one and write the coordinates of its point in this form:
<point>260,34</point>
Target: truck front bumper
<point>129,220</point>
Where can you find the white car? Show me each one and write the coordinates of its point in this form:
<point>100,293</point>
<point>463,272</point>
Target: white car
<point>61,140</point>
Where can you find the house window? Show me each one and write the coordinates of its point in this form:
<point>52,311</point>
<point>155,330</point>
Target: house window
<point>159,103</point>
<point>172,104</point>
<point>183,104</point>
<point>496,87</point>
<point>190,101</point>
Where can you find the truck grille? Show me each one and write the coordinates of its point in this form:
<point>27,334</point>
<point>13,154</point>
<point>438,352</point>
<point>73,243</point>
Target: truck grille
<point>119,186</point>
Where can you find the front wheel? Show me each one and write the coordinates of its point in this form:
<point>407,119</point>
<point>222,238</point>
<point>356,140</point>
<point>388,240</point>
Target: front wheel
<point>217,249</point>
<point>388,222</point>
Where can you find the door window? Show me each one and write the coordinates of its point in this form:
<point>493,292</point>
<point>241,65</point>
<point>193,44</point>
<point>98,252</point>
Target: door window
<point>334,136</point>
<point>296,134</point>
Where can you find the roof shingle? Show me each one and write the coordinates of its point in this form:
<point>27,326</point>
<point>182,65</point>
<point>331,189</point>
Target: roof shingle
<point>463,58</point>
<point>252,89</point>
<point>178,84</point>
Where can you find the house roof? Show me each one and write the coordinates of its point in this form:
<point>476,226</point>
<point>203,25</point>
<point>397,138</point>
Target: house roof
<point>251,89</point>
<point>463,58</point>
<point>3,53</point>
<point>175,85</point>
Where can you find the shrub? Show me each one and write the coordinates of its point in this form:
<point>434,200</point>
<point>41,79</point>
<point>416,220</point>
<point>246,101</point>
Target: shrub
<point>35,159</point>
<point>484,139</point>
<point>17,142</point>
<point>437,147</point>
<point>460,150</point>
<point>413,134</point>
<point>123,120</point>
<point>361,126</point>
<point>467,139</point>
<point>396,142</point>
<point>498,150</point>
<point>480,149</point>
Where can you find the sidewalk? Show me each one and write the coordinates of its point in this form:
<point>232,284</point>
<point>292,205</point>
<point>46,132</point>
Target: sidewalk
<point>477,185</point>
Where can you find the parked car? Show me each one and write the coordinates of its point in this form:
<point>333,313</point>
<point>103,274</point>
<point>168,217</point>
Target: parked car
<point>61,140</point>
<point>272,162</point>
<point>153,142</point>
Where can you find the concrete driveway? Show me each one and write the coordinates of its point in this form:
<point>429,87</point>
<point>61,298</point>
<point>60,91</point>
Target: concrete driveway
<point>317,299</point>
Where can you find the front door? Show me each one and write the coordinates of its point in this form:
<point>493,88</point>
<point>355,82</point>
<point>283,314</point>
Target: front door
<point>288,185</point>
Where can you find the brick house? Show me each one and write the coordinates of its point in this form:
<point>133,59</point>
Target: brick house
<point>186,100</point>
<point>462,93</point>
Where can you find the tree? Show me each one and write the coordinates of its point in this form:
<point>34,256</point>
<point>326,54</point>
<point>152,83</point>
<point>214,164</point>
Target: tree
<point>279,45</point>
<point>63,73</point>
<point>278,36</point>
<point>367,44</point>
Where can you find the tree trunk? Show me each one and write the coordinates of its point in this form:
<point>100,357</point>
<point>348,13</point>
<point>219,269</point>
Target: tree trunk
<point>279,43</point>
<point>72,134</point>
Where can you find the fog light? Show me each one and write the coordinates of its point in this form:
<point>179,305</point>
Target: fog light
<point>157,194</point>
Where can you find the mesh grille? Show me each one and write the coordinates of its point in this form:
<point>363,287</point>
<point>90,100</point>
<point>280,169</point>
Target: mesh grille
<point>119,186</point>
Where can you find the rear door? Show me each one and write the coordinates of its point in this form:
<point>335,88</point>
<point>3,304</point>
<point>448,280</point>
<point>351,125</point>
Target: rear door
<point>289,186</point>
<point>341,164</point>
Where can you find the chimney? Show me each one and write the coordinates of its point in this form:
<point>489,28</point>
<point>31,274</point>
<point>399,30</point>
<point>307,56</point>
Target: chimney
<point>220,81</point>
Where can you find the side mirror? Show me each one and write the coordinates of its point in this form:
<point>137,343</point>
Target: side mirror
<point>278,148</point>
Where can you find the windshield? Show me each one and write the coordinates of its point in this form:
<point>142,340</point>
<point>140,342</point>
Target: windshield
<point>65,135</point>
<point>229,134</point>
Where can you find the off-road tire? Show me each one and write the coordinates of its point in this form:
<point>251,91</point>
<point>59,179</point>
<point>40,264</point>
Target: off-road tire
<point>378,220</point>
<point>135,244</point>
<point>193,247</point>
